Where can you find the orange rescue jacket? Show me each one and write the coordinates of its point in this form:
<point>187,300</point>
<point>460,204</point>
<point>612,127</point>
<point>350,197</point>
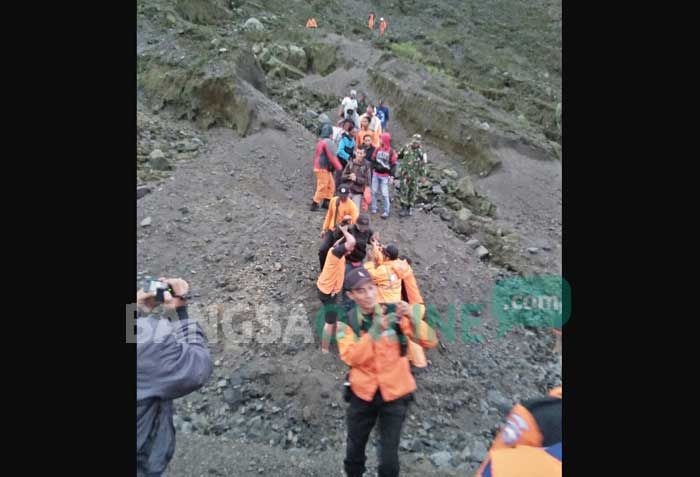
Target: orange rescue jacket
<point>376,361</point>
<point>337,210</point>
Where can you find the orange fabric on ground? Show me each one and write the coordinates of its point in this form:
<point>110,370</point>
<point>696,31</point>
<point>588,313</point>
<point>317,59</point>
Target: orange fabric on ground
<point>325,185</point>
<point>311,23</point>
<point>344,208</point>
<point>331,279</point>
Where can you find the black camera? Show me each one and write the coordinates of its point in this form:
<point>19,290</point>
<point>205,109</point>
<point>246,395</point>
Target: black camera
<point>159,288</point>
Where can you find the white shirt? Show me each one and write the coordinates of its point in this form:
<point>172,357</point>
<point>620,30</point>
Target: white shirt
<point>348,103</point>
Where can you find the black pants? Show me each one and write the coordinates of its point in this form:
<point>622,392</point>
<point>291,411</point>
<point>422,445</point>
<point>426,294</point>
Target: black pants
<point>330,316</point>
<point>326,244</point>
<point>361,418</point>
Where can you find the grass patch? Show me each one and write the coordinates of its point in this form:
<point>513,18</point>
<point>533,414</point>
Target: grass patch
<point>406,50</point>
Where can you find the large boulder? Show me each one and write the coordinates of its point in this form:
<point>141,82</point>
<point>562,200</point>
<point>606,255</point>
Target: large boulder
<point>210,93</point>
<point>297,58</point>
<point>322,58</point>
<point>461,223</point>
<point>465,188</point>
<point>253,24</point>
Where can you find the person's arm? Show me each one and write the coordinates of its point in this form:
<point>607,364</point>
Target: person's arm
<point>394,162</point>
<point>349,238</point>
<point>353,351</point>
<point>331,157</point>
<point>414,327</point>
<point>346,172</point>
<point>329,216</point>
<point>354,213</point>
<point>178,364</point>
<point>342,153</point>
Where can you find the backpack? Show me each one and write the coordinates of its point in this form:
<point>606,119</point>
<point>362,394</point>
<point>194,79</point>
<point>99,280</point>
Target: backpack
<point>323,160</point>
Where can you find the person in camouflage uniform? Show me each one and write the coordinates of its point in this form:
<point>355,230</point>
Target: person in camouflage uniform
<point>412,169</point>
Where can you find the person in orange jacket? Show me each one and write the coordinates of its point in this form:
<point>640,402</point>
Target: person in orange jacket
<point>374,342</point>
<point>370,20</point>
<point>366,131</point>
<point>341,211</point>
<point>535,423</point>
<point>382,26</point>
<point>311,23</point>
<point>330,282</point>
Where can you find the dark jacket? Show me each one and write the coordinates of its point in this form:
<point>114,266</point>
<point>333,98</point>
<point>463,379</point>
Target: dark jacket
<point>362,176</point>
<point>384,159</point>
<point>361,240</point>
<point>172,360</point>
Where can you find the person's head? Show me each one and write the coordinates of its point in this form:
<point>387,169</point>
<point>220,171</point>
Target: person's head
<point>347,124</point>
<point>353,94</point>
<point>364,123</point>
<point>363,222</point>
<point>360,155</point>
<point>386,140</point>
<point>370,110</point>
<point>381,102</point>
<point>361,289</point>
<point>367,141</point>
<point>416,141</point>
<point>343,193</point>
<point>391,252</point>
<point>326,130</point>
<point>352,131</point>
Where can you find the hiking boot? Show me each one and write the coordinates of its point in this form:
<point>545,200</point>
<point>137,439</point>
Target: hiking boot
<point>314,206</point>
<point>385,215</point>
<point>403,212</point>
<point>325,203</point>
<point>410,211</point>
<point>373,211</point>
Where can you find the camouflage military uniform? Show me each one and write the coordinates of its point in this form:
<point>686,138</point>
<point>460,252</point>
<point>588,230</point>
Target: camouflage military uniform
<point>412,167</point>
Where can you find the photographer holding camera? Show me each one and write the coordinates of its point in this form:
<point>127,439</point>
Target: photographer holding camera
<point>173,360</point>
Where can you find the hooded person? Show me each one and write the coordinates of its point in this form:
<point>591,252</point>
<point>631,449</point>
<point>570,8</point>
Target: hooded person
<point>384,161</point>
<point>325,161</point>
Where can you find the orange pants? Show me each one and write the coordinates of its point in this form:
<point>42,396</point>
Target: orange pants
<point>325,186</point>
<point>366,199</point>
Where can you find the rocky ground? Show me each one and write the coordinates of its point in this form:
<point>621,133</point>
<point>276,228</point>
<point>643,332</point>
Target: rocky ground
<point>225,141</point>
